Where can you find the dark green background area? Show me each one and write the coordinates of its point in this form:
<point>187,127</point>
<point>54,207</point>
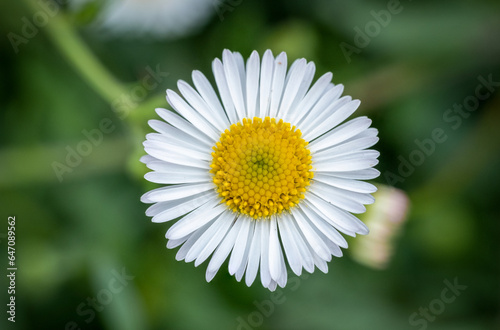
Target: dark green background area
<point>74,235</point>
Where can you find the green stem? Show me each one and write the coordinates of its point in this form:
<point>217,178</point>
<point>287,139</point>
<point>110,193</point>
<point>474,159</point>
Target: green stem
<point>145,110</point>
<point>65,38</point>
<point>17,170</point>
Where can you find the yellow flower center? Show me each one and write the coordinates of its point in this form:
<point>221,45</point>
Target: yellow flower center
<point>261,167</point>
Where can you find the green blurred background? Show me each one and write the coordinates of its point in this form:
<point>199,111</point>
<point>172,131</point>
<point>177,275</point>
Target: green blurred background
<point>76,231</point>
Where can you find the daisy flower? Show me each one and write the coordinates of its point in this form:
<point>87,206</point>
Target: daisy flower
<point>156,18</point>
<point>262,171</point>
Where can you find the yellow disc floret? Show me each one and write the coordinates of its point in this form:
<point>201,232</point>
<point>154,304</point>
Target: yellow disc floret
<point>261,167</point>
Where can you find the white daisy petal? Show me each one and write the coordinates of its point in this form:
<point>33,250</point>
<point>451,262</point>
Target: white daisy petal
<point>165,167</point>
<point>226,220</point>
<point>175,134</point>
<point>192,199</point>
<point>183,125</point>
<point>332,247</point>
<point>340,219</point>
<point>174,178</point>
<point>333,120</point>
<point>320,263</point>
<point>339,201</point>
<point>331,191</point>
<point>174,209</point>
<point>147,159</point>
<point>175,192</point>
<point>192,239</point>
<point>198,103</point>
<point>207,92</point>
<point>292,69</point>
<point>223,250</point>
<point>292,86</point>
<point>225,94</point>
<point>253,255</point>
<point>266,80</point>
<point>193,116</point>
<point>346,147</point>
<point>353,156</point>
<point>208,241</point>
<point>278,83</point>
<point>367,133</point>
<point>301,92</point>
<point>265,273</point>
<point>194,220</point>
<point>335,113</point>
<point>352,185</point>
<point>234,82</point>
<point>179,157</point>
<point>239,249</point>
<point>252,83</point>
<point>173,243</point>
<point>274,250</point>
<point>272,285</point>
<point>284,274</point>
<point>349,162</point>
<point>260,169</point>
<point>312,238</point>
<point>325,107</point>
<point>321,207</point>
<point>324,227</point>
<point>312,96</point>
<point>304,252</point>
<point>240,63</point>
<point>244,263</point>
<point>158,141</point>
<point>340,134</point>
<point>315,120</point>
<point>313,255</point>
<point>365,174</point>
<point>291,250</point>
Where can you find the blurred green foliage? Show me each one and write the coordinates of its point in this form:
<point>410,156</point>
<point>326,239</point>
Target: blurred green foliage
<point>72,234</point>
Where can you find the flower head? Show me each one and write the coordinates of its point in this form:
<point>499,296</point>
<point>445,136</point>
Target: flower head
<point>269,173</point>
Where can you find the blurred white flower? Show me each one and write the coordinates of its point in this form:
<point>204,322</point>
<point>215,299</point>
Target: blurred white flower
<point>385,219</point>
<point>167,19</point>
